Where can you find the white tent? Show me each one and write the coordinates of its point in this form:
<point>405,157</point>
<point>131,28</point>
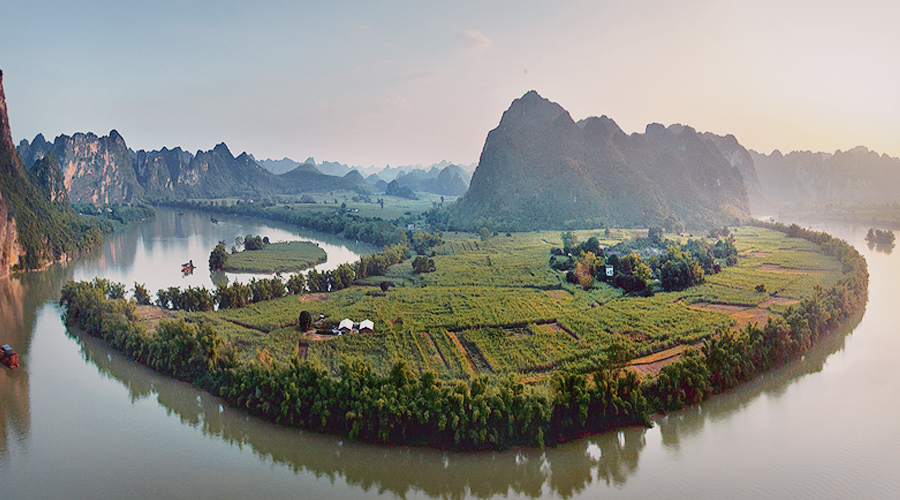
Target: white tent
<point>366,326</point>
<point>346,325</point>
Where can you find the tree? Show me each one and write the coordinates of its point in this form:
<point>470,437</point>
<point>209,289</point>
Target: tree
<point>485,234</point>
<point>304,322</point>
<point>423,265</point>
<point>141,295</point>
<point>569,241</point>
<point>217,258</point>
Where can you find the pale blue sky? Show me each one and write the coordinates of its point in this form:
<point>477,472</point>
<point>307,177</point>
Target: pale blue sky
<point>416,82</point>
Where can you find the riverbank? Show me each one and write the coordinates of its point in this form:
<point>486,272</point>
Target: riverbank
<point>406,407</point>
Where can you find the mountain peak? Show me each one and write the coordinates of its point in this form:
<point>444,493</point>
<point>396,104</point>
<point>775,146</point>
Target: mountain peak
<point>532,109</point>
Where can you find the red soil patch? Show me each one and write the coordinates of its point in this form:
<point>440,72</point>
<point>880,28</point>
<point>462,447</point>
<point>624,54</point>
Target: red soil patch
<point>741,315</point>
<point>781,301</point>
<point>652,364</point>
<point>314,297</point>
<point>151,315</point>
<point>470,365</point>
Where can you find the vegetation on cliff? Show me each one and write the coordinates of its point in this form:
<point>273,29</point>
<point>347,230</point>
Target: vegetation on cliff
<point>46,226</point>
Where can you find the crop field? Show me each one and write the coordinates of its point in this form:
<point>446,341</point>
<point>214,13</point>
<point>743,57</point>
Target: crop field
<point>290,256</point>
<point>495,306</point>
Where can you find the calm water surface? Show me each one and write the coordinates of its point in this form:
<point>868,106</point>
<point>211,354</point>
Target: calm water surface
<point>77,420</point>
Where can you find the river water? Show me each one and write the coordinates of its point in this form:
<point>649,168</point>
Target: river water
<point>78,420</point>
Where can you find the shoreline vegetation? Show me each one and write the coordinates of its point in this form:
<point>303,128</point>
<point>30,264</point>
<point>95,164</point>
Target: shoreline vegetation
<point>497,399</point>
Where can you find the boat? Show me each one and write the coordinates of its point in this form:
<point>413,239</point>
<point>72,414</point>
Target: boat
<point>8,357</point>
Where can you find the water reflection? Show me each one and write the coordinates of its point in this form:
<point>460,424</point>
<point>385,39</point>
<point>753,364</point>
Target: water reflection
<point>691,421</point>
<point>565,471</point>
<point>20,297</point>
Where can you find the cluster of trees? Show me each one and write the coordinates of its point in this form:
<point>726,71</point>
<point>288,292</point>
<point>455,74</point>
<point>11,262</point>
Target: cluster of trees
<point>422,242</point>
<point>218,257</point>
<point>122,214</point>
<point>884,240</point>
<point>255,242</point>
<point>670,266</point>
<point>184,350</point>
<point>422,264</point>
<point>372,230</point>
<point>376,264</point>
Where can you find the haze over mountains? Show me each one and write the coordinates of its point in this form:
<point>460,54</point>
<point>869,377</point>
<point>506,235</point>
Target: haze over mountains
<point>538,169</point>
<point>443,178</point>
<point>806,177</point>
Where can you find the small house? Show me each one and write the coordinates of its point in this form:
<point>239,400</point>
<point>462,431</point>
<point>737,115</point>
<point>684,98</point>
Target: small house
<point>345,326</point>
<point>366,326</point>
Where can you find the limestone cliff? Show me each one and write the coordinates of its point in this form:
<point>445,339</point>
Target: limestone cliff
<point>34,229</point>
<point>541,170</point>
<point>11,249</point>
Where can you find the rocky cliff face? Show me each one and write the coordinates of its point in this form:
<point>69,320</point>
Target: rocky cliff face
<point>103,170</point>
<point>95,169</point>
<point>11,249</point>
<point>540,169</point>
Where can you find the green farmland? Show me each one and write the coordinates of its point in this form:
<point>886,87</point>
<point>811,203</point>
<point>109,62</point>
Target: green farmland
<point>283,257</point>
<point>495,306</point>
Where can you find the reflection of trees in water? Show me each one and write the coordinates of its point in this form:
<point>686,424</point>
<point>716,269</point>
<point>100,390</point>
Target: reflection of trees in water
<point>566,470</point>
<point>613,455</point>
<point>21,296</point>
<point>691,421</point>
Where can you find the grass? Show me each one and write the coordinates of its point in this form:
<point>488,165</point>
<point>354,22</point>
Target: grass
<point>496,306</point>
<point>284,257</point>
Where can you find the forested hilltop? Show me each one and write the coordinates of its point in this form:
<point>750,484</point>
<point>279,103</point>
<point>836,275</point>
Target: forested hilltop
<point>37,225</point>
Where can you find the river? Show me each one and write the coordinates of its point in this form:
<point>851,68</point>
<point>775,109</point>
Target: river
<point>78,420</point>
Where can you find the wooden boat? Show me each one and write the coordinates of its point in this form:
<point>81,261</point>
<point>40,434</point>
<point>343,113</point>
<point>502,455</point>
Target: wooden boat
<point>8,357</point>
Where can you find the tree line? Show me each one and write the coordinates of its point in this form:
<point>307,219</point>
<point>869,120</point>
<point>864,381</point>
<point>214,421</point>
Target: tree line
<point>371,230</point>
<point>400,407</point>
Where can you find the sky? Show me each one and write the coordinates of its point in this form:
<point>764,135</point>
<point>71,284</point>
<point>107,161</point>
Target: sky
<point>377,83</point>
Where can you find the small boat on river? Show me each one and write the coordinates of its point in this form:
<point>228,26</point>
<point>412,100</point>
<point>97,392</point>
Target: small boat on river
<point>8,357</point>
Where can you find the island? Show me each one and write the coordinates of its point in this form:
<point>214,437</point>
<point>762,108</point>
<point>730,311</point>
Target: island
<point>284,257</point>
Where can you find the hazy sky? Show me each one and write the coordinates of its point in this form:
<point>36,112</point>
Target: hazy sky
<point>416,82</point>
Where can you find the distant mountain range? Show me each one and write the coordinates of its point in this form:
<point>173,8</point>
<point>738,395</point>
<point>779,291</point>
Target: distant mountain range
<point>806,177</point>
<point>104,170</point>
<point>443,178</point>
<point>538,169</point>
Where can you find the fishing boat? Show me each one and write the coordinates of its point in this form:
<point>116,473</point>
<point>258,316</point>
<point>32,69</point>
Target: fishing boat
<point>8,357</point>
